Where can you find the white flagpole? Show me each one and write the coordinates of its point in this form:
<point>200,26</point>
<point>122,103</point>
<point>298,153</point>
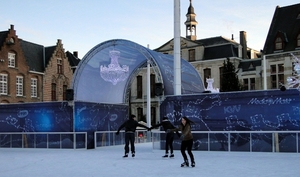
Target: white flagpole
<point>177,59</point>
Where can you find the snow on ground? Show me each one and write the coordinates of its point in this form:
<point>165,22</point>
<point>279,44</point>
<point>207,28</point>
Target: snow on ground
<point>108,161</point>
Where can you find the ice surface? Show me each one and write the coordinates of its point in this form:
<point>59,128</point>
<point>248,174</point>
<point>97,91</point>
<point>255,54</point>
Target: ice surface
<point>108,161</point>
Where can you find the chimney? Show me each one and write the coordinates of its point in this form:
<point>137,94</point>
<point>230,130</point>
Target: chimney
<point>232,37</point>
<point>243,42</point>
<point>12,27</point>
<point>75,53</point>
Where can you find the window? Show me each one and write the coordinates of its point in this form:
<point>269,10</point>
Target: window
<point>207,74</point>
<point>248,86</point>
<point>140,114</point>
<point>53,92</point>
<point>65,92</point>
<point>11,41</point>
<point>19,86</point>
<point>252,83</point>
<point>277,75</point>
<point>11,59</point>
<point>152,85</point>
<point>280,68</point>
<point>139,86</point>
<point>273,69</point>
<point>192,56</point>
<point>33,87</point>
<point>3,84</point>
<point>4,101</point>
<point>153,115</point>
<point>278,43</point>
<point>59,66</point>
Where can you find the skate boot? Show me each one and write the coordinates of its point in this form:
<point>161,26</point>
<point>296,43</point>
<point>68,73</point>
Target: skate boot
<point>185,163</point>
<point>172,155</point>
<point>193,164</point>
<point>165,156</point>
<point>133,154</point>
<point>126,155</point>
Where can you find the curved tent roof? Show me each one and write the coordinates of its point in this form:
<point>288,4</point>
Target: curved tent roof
<point>106,72</point>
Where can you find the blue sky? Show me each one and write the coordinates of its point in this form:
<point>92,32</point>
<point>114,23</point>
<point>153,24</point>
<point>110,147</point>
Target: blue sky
<point>81,25</point>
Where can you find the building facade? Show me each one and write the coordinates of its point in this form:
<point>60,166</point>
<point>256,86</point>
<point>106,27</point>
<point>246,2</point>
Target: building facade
<point>208,55</point>
<point>19,81</point>
<point>30,72</point>
<point>283,41</point>
<point>58,73</point>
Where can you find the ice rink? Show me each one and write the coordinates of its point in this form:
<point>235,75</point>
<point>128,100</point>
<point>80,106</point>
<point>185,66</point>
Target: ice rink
<point>108,161</point>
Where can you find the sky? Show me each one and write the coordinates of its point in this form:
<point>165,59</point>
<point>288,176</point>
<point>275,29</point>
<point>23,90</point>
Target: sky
<point>81,25</point>
<point>108,161</point>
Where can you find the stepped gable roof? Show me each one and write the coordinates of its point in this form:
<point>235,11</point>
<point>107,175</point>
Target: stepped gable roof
<point>73,60</point>
<point>285,23</point>
<point>48,54</point>
<point>33,54</point>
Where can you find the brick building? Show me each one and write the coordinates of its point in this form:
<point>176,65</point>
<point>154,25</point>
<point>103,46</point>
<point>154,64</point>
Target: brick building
<point>31,72</point>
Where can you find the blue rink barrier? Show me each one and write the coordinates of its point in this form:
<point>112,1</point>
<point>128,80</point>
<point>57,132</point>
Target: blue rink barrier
<point>44,140</point>
<point>230,141</point>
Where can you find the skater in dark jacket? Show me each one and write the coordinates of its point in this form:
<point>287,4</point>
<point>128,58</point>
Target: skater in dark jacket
<point>166,124</point>
<point>187,140</point>
<point>130,127</point>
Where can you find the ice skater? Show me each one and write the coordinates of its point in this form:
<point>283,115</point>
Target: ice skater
<point>187,140</point>
<point>166,124</point>
<point>130,127</point>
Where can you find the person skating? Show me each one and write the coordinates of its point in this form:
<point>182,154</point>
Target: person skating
<point>166,124</point>
<point>187,140</point>
<point>130,127</point>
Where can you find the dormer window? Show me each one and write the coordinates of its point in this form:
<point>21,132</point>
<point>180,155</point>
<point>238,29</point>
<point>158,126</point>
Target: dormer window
<point>278,43</point>
<point>10,41</point>
<point>192,54</point>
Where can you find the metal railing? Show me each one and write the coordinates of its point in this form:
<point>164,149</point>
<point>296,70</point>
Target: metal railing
<point>45,140</point>
<point>109,138</point>
<point>246,141</point>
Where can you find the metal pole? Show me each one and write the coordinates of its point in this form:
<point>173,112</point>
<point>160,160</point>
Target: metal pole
<point>74,134</point>
<point>148,101</point>
<point>177,61</point>
<point>265,72</point>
